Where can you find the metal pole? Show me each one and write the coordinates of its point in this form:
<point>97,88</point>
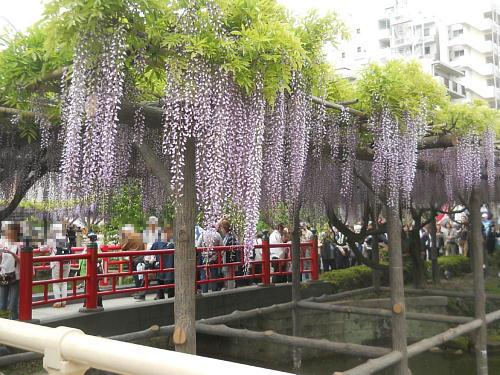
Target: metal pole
<point>26,283</point>
<point>266,264</point>
<point>314,256</point>
<point>91,285</point>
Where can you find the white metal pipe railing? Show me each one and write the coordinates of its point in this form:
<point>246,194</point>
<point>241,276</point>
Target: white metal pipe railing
<point>70,351</point>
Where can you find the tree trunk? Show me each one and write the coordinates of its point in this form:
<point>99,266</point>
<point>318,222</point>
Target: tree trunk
<point>434,250</point>
<point>415,249</point>
<point>398,320</point>
<point>185,258</point>
<point>296,283</point>
<point>479,293</point>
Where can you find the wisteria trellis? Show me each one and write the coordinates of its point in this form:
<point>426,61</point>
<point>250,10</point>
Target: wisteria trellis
<point>247,152</point>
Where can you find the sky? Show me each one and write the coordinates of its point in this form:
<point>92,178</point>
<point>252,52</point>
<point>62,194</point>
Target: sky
<point>22,13</point>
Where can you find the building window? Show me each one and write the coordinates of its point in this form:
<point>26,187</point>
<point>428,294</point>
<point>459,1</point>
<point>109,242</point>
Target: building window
<point>358,49</point>
<point>427,31</point>
<point>358,31</point>
<point>462,90</point>
<point>457,32</point>
<point>458,53</point>
<point>427,50</point>
<point>384,24</point>
<point>343,55</point>
<point>489,81</point>
<point>487,36</point>
<point>446,82</point>
<point>454,86</point>
<point>488,15</point>
<point>489,59</point>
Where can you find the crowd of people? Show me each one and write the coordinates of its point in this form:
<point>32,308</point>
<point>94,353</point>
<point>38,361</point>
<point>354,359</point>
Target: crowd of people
<point>452,238</point>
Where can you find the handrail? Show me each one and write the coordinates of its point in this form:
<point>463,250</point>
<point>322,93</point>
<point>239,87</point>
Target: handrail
<point>262,269</point>
<point>68,349</point>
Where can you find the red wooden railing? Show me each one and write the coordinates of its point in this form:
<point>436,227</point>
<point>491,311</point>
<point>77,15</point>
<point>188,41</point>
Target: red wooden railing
<point>117,264</point>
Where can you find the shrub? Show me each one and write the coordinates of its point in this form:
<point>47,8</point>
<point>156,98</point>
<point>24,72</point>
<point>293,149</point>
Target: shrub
<point>349,278</point>
<point>456,265</point>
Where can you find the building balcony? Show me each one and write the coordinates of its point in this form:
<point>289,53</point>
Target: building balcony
<point>475,64</point>
<point>476,43</point>
<point>455,90</point>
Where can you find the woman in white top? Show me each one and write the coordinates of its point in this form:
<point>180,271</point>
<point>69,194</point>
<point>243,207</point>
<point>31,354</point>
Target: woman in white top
<point>57,245</point>
<point>10,250</point>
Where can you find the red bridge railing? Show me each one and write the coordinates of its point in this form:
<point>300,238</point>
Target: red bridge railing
<point>107,268</point>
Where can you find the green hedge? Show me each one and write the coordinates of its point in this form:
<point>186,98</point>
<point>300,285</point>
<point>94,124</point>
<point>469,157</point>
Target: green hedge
<point>456,264</point>
<point>361,276</point>
<point>349,278</point>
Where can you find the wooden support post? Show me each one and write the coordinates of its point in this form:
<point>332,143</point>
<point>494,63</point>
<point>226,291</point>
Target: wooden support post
<point>434,250</point>
<point>376,259</point>
<point>185,258</point>
<point>296,282</point>
<point>398,321</point>
<point>479,293</point>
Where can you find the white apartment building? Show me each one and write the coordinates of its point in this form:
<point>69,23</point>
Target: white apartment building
<point>460,49</point>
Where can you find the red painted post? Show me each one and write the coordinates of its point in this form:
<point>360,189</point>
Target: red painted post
<point>26,283</point>
<point>266,260</point>
<point>314,257</point>
<point>91,286</point>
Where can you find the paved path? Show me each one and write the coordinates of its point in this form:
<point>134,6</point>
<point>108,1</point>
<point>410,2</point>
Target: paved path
<point>48,313</point>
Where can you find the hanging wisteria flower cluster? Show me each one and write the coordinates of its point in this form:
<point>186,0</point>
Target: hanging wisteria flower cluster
<point>273,156</point>
<point>468,162</point>
<point>91,113</point>
<point>297,138</point>
<point>396,154</point>
<point>416,127</point>
<point>42,122</point>
<point>489,158</point>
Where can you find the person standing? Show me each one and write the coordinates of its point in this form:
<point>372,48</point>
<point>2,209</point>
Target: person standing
<point>132,241</point>
<point>327,251</point>
<point>209,239</point>
<point>167,261</point>
<point>10,260</point>
<point>276,253</point>
<point>60,269</point>
<point>451,239</point>
<point>230,256</point>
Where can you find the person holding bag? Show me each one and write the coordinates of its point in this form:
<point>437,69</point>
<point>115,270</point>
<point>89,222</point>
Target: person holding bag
<point>10,249</point>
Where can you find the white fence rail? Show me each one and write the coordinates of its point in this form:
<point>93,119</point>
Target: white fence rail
<point>69,351</point>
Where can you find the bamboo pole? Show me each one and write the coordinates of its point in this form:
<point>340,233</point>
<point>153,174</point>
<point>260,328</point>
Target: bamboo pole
<point>185,258</point>
<point>384,313</point>
<point>398,321</point>
<point>453,333</point>
<point>479,293</point>
<point>443,292</point>
<point>374,365</point>
<point>249,314</point>
<point>296,283</point>
<point>271,336</point>
<point>342,295</point>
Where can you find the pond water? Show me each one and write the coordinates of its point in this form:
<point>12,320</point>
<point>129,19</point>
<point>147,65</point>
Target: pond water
<point>424,364</point>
